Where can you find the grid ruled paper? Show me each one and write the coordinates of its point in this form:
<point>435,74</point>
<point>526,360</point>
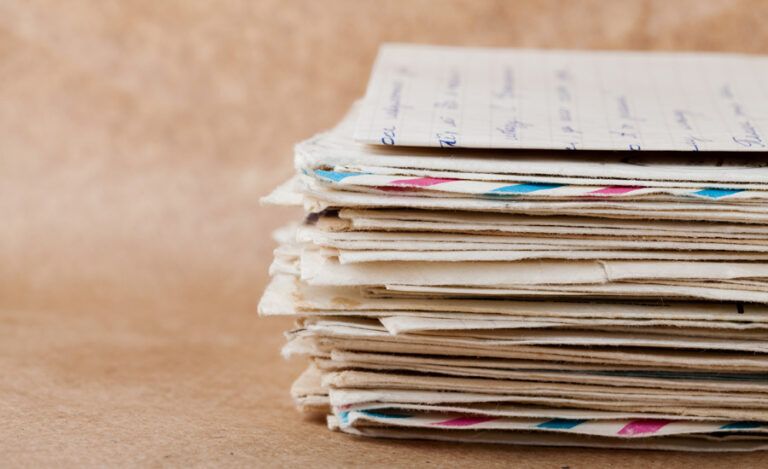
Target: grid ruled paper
<point>458,97</point>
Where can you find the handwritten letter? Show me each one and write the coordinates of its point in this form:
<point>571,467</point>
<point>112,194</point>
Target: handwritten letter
<point>456,97</point>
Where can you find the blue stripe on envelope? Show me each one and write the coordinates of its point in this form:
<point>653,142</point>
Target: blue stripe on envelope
<point>525,188</point>
<point>335,176</point>
<point>384,415</point>
<point>717,193</point>
<point>745,425</point>
<point>561,424</point>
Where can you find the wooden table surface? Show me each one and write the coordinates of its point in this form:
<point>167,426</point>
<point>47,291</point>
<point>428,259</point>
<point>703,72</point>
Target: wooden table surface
<point>135,140</point>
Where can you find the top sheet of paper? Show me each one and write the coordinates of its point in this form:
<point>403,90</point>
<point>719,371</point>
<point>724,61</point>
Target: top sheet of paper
<point>514,98</point>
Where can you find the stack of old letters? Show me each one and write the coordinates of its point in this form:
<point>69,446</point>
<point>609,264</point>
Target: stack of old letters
<point>536,247</point>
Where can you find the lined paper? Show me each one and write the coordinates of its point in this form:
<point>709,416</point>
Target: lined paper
<point>458,97</point>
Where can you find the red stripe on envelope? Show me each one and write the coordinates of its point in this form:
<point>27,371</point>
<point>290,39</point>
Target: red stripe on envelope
<point>465,421</point>
<point>616,190</point>
<point>421,182</point>
<point>640,427</point>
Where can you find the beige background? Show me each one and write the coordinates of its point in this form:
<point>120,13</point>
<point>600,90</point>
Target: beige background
<point>135,140</point>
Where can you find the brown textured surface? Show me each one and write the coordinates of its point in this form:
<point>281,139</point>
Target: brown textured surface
<point>135,139</point>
